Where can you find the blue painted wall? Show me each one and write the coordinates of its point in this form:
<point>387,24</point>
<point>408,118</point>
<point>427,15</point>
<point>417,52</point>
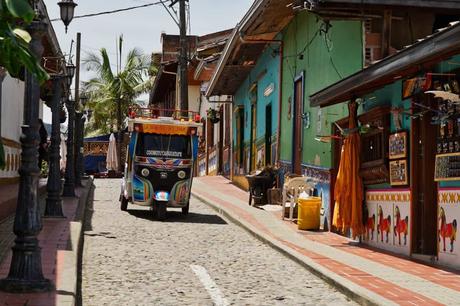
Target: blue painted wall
<point>267,70</point>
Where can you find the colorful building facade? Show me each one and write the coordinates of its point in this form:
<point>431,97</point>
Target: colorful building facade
<point>409,157</point>
<point>316,54</point>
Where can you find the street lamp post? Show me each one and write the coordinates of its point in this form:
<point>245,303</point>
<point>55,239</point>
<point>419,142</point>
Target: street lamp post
<point>25,274</point>
<point>78,141</point>
<point>53,201</point>
<point>69,183</point>
<point>80,159</point>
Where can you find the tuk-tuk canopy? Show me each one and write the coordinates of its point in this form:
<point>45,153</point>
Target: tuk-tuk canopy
<point>165,126</point>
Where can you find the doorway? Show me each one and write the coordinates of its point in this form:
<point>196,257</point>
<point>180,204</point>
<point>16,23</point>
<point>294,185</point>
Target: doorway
<point>297,125</point>
<point>268,134</point>
<point>424,190</point>
<point>252,145</point>
<point>240,140</point>
<point>220,168</point>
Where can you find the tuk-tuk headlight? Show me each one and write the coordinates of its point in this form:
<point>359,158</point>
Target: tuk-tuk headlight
<point>145,172</point>
<point>181,174</point>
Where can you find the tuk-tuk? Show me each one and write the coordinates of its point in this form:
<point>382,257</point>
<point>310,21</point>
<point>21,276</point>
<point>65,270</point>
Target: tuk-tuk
<point>160,161</point>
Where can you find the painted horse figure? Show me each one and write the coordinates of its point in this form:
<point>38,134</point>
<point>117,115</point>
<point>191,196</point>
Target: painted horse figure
<point>401,226</point>
<point>384,224</point>
<point>369,224</point>
<point>447,230</point>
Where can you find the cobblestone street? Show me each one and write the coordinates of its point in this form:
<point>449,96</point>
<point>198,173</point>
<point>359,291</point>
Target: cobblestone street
<point>130,259</point>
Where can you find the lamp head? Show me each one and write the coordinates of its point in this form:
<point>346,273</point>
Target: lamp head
<point>67,11</point>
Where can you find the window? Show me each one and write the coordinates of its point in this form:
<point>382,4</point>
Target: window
<point>164,146</point>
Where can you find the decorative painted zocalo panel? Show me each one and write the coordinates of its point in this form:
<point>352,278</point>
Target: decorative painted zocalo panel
<point>387,220</point>
<point>448,218</point>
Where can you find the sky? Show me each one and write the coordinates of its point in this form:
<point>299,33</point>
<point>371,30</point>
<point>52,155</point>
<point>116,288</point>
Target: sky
<point>141,28</point>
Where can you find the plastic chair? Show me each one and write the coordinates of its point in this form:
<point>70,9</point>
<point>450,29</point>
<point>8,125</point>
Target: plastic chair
<point>292,189</point>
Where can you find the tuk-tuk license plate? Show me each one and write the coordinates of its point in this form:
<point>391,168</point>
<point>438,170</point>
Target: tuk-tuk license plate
<point>162,196</point>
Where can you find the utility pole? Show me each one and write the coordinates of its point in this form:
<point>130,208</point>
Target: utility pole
<point>183,57</point>
<point>77,117</point>
<point>69,183</point>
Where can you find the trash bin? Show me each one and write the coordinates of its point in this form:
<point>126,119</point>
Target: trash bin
<point>309,213</point>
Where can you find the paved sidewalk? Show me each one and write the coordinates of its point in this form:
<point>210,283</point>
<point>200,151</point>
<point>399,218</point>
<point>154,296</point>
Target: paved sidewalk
<point>367,275</point>
<point>60,243</point>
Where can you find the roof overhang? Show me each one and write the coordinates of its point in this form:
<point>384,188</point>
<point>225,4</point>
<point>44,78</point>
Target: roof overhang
<point>437,4</point>
<point>52,57</point>
<point>370,9</point>
<point>419,56</point>
<point>259,27</point>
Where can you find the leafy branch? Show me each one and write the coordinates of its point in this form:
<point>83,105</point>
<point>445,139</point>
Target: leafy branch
<point>15,16</point>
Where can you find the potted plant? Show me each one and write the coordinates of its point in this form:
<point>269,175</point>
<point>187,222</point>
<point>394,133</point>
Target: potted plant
<point>213,115</point>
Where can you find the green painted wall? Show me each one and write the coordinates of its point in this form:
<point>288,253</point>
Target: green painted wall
<point>324,56</point>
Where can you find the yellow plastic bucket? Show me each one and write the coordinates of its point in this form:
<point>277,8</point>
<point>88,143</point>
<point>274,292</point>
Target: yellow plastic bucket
<point>309,213</point>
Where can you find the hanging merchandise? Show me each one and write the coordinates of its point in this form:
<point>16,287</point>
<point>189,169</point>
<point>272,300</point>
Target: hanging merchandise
<point>213,115</point>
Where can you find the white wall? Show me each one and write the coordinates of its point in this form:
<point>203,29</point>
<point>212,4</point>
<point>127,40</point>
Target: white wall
<point>11,120</point>
<point>194,98</point>
<point>12,108</point>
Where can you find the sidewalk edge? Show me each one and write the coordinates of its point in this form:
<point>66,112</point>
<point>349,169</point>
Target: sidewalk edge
<point>355,292</point>
<point>68,281</point>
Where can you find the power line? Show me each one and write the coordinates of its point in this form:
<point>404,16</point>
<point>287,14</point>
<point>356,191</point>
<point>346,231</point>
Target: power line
<point>115,11</point>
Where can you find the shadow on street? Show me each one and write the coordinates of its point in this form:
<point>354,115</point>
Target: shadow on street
<point>177,217</point>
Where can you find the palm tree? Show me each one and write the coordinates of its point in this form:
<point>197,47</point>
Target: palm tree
<point>111,93</point>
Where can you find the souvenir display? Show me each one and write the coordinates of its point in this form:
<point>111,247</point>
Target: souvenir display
<point>447,120</point>
<point>447,167</point>
<point>398,145</point>
<point>398,172</point>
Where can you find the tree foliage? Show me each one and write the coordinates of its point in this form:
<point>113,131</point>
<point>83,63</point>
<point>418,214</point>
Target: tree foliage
<point>15,54</point>
<point>109,88</point>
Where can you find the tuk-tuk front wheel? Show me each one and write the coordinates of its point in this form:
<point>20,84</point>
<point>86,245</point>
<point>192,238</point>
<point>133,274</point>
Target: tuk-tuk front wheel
<point>185,209</point>
<point>161,211</point>
<point>123,203</point>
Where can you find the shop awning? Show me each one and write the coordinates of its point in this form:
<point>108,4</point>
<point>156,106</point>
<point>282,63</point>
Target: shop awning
<point>264,20</point>
<point>446,4</point>
<point>419,56</point>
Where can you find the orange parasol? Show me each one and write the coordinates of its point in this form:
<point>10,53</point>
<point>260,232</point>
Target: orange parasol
<point>348,193</point>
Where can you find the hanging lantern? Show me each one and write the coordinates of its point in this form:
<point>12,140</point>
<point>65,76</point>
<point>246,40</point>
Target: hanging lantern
<point>67,11</point>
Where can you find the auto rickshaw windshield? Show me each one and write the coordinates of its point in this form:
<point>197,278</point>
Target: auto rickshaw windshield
<point>164,146</point>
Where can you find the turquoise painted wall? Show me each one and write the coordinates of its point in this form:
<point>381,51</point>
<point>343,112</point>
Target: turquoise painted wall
<point>389,95</point>
<point>265,73</point>
<point>325,56</point>
<point>448,66</point>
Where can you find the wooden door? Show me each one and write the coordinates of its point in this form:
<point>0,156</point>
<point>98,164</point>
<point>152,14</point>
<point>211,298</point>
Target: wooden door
<point>268,134</point>
<point>240,139</point>
<point>424,190</point>
<point>220,167</point>
<point>252,159</point>
<point>297,126</point>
